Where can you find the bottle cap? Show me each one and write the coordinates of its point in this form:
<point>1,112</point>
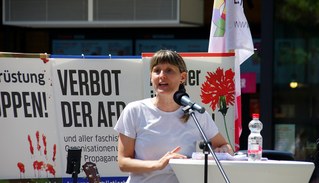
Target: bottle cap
<point>255,115</point>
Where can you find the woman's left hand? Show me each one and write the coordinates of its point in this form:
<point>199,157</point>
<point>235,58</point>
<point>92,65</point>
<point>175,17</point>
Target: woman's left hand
<point>224,149</point>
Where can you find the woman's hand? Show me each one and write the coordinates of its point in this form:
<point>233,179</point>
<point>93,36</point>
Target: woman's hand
<point>163,162</point>
<point>226,148</point>
<point>221,144</point>
<point>128,163</point>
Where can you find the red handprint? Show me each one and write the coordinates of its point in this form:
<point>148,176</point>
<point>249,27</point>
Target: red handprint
<point>54,152</point>
<point>44,139</point>
<point>30,144</point>
<point>38,141</point>
<point>38,166</point>
<point>21,168</point>
<point>41,163</point>
<point>50,169</point>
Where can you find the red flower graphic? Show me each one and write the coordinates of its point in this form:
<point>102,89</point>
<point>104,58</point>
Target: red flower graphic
<point>216,85</point>
<point>219,91</point>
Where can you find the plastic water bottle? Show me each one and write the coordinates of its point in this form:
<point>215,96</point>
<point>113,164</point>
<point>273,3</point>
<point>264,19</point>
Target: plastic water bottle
<point>255,140</point>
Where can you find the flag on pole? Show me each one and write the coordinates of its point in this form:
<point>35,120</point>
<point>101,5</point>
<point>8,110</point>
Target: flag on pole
<point>230,33</point>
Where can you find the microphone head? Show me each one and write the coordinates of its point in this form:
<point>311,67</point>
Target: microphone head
<point>182,98</point>
<point>181,88</point>
<point>178,96</point>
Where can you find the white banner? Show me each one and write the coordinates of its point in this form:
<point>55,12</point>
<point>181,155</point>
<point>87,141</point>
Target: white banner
<point>49,107</point>
<point>27,116</point>
<point>90,95</point>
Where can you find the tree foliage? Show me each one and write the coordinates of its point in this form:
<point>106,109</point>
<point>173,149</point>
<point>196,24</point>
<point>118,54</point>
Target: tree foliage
<point>302,12</point>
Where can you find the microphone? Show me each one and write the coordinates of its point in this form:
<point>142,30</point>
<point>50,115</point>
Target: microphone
<point>182,98</point>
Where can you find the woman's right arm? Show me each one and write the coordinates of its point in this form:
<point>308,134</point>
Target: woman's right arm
<point>128,163</point>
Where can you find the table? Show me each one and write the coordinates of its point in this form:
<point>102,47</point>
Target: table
<point>270,171</point>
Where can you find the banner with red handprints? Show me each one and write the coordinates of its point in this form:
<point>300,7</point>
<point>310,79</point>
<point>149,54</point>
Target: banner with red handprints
<point>29,143</point>
<point>51,105</point>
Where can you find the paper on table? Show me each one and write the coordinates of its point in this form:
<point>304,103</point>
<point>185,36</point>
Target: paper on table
<point>220,156</point>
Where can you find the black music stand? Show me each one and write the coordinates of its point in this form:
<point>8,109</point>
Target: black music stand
<point>74,163</point>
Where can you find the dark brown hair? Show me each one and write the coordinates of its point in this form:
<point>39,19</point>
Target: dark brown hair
<point>170,57</point>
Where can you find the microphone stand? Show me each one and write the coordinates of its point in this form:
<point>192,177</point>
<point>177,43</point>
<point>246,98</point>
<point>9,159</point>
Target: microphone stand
<point>74,173</point>
<point>189,110</point>
<point>206,152</point>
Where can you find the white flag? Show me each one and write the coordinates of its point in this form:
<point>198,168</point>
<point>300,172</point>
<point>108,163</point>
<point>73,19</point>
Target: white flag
<point>230,33</point>
<point>238,36</point>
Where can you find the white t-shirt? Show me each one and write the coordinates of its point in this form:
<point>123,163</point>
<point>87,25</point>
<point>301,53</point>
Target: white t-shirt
<point>157,132</point>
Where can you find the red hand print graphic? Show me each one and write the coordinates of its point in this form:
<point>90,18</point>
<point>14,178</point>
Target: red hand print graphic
<point>44,139</point>
<point>38,141</point>
<point>54,152</point>
<point>50,169</point>
<point>21,168</point>
<point>31,146</point>
<point>41,163</point>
